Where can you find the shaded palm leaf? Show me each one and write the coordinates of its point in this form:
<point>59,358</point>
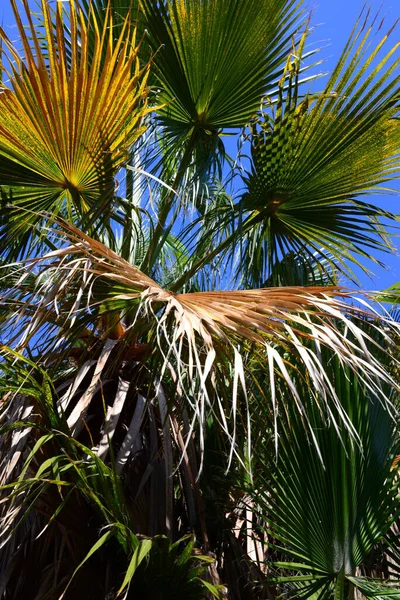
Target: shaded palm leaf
<point>375,589</point>
<point>60,488</point>
<point>65,125</point>
<point>302,270</point>
<point>328,511</point>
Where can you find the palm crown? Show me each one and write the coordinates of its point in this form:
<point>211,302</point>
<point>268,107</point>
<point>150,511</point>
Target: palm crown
<point>163,436</point>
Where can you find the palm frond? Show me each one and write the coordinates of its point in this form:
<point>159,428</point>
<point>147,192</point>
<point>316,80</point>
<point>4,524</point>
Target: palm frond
<point>302,270</point>
<point>376,589</point>
<point>215,61</point>
<point>56,488</point>
<point>313,158</point>
<point>91,289</point>
<point>65,124</point>
<point>327,511</point>
<point>391,295</point>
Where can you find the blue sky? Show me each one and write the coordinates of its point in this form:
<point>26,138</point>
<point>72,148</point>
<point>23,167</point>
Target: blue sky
<point>335,20</point>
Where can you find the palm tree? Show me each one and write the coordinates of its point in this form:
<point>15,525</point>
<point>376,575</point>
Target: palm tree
<point>161,436</point>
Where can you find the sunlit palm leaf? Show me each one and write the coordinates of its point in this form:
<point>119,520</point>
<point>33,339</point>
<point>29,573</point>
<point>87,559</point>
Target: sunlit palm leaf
<point>120,10</point>
<point>390,295</point>
<point>315,157</point>
<point>215,62</point>
<point>65,124</point>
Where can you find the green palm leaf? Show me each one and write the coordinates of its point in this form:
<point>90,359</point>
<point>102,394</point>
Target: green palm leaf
<point>329,508</point>
<point>302,270</point>
<point>314,158</point>
<point>390,295</point>
<point>375,589</point>
<point>215,61</point>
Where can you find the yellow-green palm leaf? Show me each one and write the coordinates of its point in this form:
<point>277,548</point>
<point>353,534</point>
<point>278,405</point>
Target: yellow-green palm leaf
<point>314,159</point>
<point>65,122</point>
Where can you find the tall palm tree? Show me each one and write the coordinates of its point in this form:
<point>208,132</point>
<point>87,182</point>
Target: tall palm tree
<point>163,436</point>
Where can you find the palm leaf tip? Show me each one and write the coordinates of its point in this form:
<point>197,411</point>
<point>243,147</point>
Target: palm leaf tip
<point>66,122</point>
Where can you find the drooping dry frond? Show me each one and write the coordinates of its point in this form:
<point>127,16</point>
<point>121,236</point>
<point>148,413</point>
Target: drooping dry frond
<point>207,335</point>
<point>66,122</point>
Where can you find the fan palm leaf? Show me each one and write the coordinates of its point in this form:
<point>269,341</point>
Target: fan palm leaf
<point>65,124</point>
<point>313,159</point>
<point>328,511</point>
<point>302,270</point>
<point>193,44</point>
<point>130,383</point>
<point>217,60</point>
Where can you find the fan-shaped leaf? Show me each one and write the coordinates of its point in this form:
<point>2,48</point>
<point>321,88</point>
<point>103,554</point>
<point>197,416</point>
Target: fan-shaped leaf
<point>65,124</point>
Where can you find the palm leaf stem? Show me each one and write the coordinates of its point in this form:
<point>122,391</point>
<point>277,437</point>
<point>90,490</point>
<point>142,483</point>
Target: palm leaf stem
<point>207,258</point>
<point>160,233</point>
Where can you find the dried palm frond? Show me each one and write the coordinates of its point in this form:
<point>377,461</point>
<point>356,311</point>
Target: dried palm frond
<point>201,339</point>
